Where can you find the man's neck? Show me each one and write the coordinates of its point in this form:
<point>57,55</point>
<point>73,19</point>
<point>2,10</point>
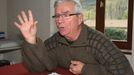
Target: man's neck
<point>74,36</point>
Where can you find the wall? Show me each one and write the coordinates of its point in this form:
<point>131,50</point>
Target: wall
<point>133,41</point>
<point>52,23</point>
<point>41,13</point>
<point>3,19</point>
<point>3,16</point>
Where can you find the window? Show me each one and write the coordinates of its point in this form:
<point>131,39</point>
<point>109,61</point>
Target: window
<point>113,18</point>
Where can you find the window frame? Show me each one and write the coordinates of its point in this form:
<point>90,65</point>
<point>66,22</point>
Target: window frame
<point>100,24</point>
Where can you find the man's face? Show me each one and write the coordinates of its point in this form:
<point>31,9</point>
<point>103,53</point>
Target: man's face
<point>67,25</point>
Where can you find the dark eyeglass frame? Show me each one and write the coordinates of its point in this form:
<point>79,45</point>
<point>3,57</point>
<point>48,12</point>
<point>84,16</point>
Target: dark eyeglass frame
<point>55,16</point>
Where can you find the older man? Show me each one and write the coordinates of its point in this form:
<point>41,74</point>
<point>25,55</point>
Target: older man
<point>75,46</point>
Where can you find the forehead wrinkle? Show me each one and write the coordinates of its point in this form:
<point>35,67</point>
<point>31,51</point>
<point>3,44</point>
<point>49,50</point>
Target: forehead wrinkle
<point>66,12</point>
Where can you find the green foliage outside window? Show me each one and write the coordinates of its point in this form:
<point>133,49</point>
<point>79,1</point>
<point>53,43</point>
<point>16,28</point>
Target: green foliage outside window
<point>117,9</point>
<point>114,33</point>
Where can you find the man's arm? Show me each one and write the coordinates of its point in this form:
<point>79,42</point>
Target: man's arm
<point>35,54</point>
<point>37,58</point>
<point>111,60</point>
<point>114,68</point>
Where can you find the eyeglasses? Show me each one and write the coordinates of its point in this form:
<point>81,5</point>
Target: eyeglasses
<point>65,16</point>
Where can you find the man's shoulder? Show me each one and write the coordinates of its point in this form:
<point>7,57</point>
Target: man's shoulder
<point>95,34</point>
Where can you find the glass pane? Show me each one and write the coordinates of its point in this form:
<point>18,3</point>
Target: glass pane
<point>116,16</point>
<point>89,10</point>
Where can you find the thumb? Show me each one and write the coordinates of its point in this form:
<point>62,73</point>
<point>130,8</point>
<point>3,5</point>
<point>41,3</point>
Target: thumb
<point>35,22</point>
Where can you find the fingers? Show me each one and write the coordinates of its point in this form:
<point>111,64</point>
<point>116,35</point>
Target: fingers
<point>76,67</point>
<point>73,69</point>
<point>20,19</point>
<point>25,21</point>
<point>24,16</point>
<point>75,62</point>
<point>73,66</point>
<point>17,25</point>
<point>30,15</point>
<point>35,22</point>
<point>34,25</point>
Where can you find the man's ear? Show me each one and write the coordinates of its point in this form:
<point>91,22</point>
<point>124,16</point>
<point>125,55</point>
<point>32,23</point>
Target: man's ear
<point>80,18</point>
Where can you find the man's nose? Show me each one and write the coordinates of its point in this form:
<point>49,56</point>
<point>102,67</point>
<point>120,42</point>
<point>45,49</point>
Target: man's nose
<point>60,19</point>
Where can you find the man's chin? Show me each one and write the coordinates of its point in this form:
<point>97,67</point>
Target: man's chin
<point>62,33</point>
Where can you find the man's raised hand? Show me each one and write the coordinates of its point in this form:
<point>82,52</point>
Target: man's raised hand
<point>27,26</point>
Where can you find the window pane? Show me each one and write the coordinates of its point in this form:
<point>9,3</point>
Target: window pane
<point>89,10</point>
<point>116,16</point>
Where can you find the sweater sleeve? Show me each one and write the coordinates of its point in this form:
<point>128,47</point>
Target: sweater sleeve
<point>37,58</point>
<point>94,69</point>
<point>111,61</point>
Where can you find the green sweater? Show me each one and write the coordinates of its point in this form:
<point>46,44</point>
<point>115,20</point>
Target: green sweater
<point>101,56</point>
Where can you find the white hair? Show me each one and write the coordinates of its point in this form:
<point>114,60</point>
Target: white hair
<point>78,6</point>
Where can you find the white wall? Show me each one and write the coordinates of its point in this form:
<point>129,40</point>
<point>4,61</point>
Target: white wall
<point>3,16</point>
<point>41,12</point>
<point>52,23</point>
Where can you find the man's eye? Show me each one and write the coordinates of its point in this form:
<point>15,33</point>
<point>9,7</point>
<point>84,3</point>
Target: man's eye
<point>65,15</point>
<point>57,16</point>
